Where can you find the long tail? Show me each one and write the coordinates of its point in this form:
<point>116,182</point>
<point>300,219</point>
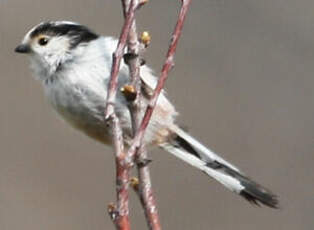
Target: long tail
<point>185,147</point>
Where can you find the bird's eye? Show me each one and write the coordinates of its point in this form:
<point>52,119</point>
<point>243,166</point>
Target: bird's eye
<point>43,41</point>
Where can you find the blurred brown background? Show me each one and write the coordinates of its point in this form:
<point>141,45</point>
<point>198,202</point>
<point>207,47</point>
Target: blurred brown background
<point>243,83</point>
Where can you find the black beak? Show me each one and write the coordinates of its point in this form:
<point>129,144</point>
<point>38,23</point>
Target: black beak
<point>23,48</point>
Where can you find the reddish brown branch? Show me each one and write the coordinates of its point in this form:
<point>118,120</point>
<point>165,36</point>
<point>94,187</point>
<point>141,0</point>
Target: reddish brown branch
<point>169,63</point>
<point>120,214</point>
<point>121,217</point>
<point>145,190</point>
<point>134,64</point>
<point>116,58</point>
<point>146,193</point>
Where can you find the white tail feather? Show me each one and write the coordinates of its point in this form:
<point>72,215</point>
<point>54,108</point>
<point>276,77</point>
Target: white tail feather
<point>230,182</point>
<point>206,154</point>
<point>185,147</point>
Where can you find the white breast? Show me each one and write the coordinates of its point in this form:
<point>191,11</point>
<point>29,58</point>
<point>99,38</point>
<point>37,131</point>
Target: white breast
<point>78,93</point>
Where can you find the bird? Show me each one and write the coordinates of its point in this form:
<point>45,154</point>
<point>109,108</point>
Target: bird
<point>73,64</point>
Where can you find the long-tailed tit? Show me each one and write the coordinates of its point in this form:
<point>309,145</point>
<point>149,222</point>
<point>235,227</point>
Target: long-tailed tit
<point>73,64</point>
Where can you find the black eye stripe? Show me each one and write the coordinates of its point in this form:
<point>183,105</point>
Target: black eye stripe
<point>79,33</point>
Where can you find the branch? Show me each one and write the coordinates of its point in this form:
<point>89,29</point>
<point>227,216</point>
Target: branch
<point>145,190</point>
<point>169,63</point>
<point>133,61</point>
<point>116,59</point>
<point>120,215</point>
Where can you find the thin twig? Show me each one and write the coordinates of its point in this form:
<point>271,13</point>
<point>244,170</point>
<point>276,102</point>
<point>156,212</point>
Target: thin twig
<point>145,190</point>
<point>134,64</point>
<point>146,193</point>
<point>116,59</point>
<point>121,217</point>
<point>169,63</point>
<point>121,213</point>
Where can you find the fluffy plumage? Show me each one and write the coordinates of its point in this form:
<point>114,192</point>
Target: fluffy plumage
<point>73,64</point>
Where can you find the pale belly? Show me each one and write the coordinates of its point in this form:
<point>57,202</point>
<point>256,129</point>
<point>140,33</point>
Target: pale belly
<point>82,109</point>
<point>96,130</point>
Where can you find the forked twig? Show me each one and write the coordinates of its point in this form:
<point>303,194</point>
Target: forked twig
<point>144,190</point>
<point>168,64</point>
<point>120,213</point>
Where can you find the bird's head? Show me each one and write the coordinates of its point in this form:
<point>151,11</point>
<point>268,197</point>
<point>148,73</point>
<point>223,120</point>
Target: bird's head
<point>52,44</point>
